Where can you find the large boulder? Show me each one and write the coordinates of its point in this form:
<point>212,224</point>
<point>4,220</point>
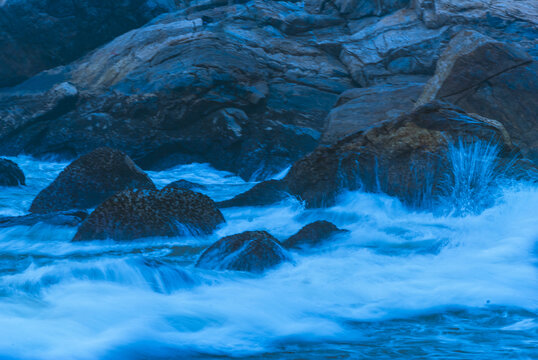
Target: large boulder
<point>138,214</point>
<point>492,79</point>
<point>360,108</point>
<point>253,251</point>
<point>313,234</point>
<point>230,85</point>
<point>89,180</point>
<point>185,185</point>
<point>10,173</point>
<point>413,157</point>
<point>40,34</point>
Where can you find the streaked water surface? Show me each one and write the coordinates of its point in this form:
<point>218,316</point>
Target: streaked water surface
<point>402,284</point>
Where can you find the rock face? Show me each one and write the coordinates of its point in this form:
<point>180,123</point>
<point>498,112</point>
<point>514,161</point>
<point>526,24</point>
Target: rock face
<point>407,157</point>
<point>195,86</point>
<point>493,79</point>
<point>356,9</point>
<point>36,35</point>
<point>313,234</point>
<point>10,174</point>
<point>253,251</point>
<point>361,108</point>
<point>89,180</point>
<point>137,214</point>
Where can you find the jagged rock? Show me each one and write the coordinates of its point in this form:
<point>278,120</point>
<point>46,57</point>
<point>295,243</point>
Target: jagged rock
<point>264,193</point>
<point>220,85</point>
<point>145,213</point>
<point>10,174</point>
<point>396,44</point>
<point>36,35</point>
<point>89,180</point>
<point>407,157</point>
<point>185,185</point>
<point>253,251</point>
<point>313,234</point>
<point>65,218</point>
<point>361,108</point>
<point>355,9</point>
<point>492,79</point>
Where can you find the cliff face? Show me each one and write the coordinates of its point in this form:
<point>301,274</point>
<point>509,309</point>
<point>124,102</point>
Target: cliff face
<point>248,86</point>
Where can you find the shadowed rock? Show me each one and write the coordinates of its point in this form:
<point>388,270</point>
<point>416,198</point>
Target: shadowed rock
<point>36,35</point>
<point>10,174</point>
<point>146,213</point>
<point>253,251</point>
<point>65,218</point>
<point>89,180</point>
<point>313,234</point>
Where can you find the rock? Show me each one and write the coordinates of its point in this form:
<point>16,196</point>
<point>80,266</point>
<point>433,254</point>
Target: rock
<point>492,79</point>
<point>36,35</point>
<point>313,234</point>
<point>138,214</point>
<point>396,44</point>
<point>355,9</point>
<point>10,173</point>
<point>89,180</point>
<point>220,85</point>
<point>253,251</point>
<point>65,218</point>
<point>264,193</point>
<point>408,157</point>
<point>185,185</point>
<point>361,108</point>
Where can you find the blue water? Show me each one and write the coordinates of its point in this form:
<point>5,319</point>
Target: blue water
<point>402,284</point>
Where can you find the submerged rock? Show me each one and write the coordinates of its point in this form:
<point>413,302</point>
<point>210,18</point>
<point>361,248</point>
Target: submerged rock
<point>186,185</point>
<point>492,79</point>
<point>89,180</point>
<point>64,218</point>
<point>313,234</point>
<point>137,214</point>
<point>264,193</point>
<point>10,174</point>
<point>253,251</point>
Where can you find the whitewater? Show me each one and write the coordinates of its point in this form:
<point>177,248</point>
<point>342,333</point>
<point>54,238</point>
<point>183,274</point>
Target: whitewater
<point>401,284</point>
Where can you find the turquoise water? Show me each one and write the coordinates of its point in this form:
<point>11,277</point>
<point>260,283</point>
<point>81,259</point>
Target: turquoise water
<point>402,284</point>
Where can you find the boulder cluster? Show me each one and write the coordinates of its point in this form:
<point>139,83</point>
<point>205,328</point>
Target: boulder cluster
<point>372,95</point>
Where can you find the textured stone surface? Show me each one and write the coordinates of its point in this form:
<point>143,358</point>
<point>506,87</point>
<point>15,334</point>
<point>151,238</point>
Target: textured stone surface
<point>89,180</point>
<point>138,214</point>
<point>253,251</point>
<point>492,79</point>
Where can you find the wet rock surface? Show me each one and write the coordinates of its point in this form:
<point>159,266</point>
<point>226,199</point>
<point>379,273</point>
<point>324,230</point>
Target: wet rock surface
<point>313,234</point>
<point>252,251</point>
<point>407,157</point>
<point>264,193</point>
<point>10,174</point>
<point>132,215</point>
<point>89,180</point>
